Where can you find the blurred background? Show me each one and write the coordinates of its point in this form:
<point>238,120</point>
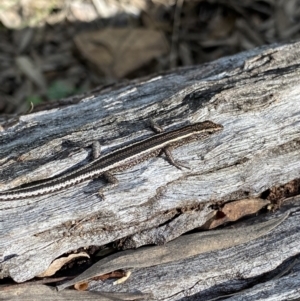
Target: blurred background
<point>51,50</point>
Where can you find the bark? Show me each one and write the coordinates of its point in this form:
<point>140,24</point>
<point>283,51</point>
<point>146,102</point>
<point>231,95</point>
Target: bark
<point>254,95</point>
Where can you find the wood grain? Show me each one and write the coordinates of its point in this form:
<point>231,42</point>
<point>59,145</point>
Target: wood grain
<point>254,95</point>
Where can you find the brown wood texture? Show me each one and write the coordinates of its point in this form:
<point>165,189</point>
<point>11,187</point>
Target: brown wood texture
<point>255,95</point>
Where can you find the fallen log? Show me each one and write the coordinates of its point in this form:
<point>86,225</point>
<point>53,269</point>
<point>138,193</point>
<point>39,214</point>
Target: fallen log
<point>254,95</point>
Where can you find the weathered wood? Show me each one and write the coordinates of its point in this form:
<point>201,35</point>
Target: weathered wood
<point>253,266</point>
<point>43,292</point>
<point>254,95</point>
<point>179,249</point>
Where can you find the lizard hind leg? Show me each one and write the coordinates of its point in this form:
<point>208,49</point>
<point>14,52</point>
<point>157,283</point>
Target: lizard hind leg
<point>112,182</point>
<point>172,161</point>
<point>167,150</point>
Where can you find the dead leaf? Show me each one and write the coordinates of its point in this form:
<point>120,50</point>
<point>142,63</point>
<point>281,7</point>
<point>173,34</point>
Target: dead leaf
<point>58,263</point>
<point>10,18</point>
<point>235,210</point>
<point>82,286</point>
<point>83,12</point>
<point>30,69</point>
<point>118,52</point>
<point>114,274</point>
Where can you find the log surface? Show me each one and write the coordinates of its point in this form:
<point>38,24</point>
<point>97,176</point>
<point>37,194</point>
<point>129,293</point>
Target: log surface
<point>255,95</point>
